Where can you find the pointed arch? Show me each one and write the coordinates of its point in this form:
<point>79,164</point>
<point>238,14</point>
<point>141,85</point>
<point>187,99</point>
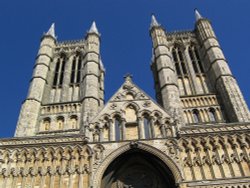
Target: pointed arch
<point>168,161</point>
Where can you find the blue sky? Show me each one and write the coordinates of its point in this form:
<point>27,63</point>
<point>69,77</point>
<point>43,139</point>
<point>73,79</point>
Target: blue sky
<point>125,41</point>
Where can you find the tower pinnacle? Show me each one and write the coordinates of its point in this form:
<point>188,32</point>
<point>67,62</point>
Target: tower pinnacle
<point>154,22</point>
<point>93,29</point>
<point>51,30</point>
<point>197,15</point>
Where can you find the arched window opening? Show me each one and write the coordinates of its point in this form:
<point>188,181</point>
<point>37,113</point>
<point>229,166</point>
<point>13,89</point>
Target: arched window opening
<point>147,127</point>
<point>46,124</point>
<point>196,116</point>
<point>62,71</point>
<point>195,58</point>
<point>177,66</point>
<point>76,69</point>
<point>79,67</point>
<point>60,123</point>
<point>73,122</point>
<point>179,61</point>
<point>72,79</point>
<point>56,72</point>
<point>181,71</point>
<point>59,71</point>
<point>118,128</point>
<point>212,116</point>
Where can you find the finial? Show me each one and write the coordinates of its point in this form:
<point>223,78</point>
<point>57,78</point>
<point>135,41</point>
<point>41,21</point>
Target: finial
<point>93,28</point>
<point>197,15</point>
<point>154,22</point>
<point>101,65</point>
<point>51,30</point>
<point>128,77</point>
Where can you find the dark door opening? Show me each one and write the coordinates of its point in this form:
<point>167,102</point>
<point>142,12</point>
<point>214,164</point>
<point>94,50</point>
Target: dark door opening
<point>137,169</point>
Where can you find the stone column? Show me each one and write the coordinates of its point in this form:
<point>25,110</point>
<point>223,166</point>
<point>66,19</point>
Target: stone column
<point>123,128</point>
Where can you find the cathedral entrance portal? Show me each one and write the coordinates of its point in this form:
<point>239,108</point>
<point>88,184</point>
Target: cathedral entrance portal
<point>137,169</point>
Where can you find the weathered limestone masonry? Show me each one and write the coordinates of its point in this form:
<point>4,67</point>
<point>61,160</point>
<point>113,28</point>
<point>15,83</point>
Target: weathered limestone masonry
<point>66,86</point>
<point>220,74</point>
<point>201,157</point>
<point>166,84</point>
<point>30,109</point>
<point>195,136</point>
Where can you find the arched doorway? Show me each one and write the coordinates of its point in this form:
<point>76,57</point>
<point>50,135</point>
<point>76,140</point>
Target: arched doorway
<point>137,169</point>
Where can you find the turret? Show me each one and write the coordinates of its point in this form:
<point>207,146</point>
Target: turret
<point>27,121</point>
<point>219,72</point>
<point>92,83</point>
<point>166,86</point>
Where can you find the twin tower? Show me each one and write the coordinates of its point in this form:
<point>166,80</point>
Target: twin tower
<point>193,82</point>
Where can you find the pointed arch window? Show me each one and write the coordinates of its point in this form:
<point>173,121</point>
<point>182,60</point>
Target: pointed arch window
<point>76,69</point>
<point>147,127</point>
<point>59,71</point>
<point>179,61</point>
<point>195,58</point>
<point>118,128</point>
<point>212,115</point>
<point>196,116</point>
<point>182,71</point>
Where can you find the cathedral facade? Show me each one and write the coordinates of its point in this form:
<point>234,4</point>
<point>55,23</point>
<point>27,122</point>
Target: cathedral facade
<point>195,135</point>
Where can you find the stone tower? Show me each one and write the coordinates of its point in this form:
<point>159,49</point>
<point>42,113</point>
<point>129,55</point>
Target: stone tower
<point>67,86</point>
<point>195,136</point>
<point>191,74</point>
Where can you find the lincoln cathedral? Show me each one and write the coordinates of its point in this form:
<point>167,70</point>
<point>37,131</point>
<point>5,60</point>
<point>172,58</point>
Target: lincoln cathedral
<point>194,135</point>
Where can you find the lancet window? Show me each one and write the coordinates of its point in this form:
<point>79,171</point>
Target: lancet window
<point>181,71</point>
<point>196,116</point>
<point>212,115</point>
<point>118,128</point>
<point>180,65</point>
<point>198,68</point>
<point>195,58</point>
<point>76,69</point>
<point>59,71</point>
<point>147,127</point>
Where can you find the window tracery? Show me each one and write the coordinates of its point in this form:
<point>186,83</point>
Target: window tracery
<point>76,69</point>
<point>59,71</point>
<point>181,71</point>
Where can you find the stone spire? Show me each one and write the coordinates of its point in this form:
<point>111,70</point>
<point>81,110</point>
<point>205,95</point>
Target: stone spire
<point>51,30</point>
<point>154,22</point>
<point>197,15</point>
<point>93,29</point>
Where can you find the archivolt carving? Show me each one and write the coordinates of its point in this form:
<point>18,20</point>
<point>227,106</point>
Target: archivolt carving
<point>218,156</point>
<point>173,166</point>
<point>45,160</point>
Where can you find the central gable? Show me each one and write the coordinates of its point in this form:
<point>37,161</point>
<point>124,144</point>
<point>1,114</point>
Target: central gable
<point>130,107</point>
